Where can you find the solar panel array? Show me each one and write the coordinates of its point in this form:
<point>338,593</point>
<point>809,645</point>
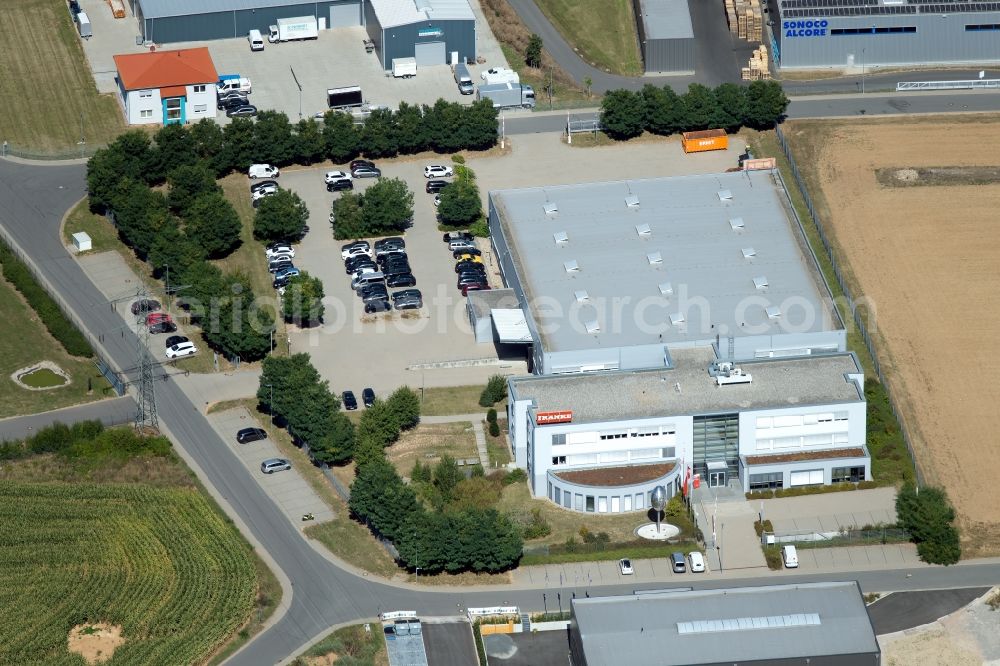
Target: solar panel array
<point>809,8</point>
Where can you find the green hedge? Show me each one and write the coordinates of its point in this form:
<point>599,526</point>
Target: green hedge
<point>61,328</point>
<point>811,490</point>
<point>636,550</point>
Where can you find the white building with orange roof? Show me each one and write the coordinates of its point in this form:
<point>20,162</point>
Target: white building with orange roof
<point>165,87</point>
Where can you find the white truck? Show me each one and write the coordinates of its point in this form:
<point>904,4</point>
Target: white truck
<point>290,29</point>
<point>508,95</point>
<point>404,68</point>
<point>496,75</point>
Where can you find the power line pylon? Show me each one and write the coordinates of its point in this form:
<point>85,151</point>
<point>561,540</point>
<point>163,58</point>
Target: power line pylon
<point>145,414</point>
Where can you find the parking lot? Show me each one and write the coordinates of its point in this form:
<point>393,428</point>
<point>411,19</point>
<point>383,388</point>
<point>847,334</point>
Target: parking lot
<point>449,643</point>
<point>334,60</point>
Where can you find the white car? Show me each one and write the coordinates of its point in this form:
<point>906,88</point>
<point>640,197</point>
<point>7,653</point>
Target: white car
<point>625,565</point>
<point>276,250</point>
<point>438,171</point>
<point>494,71</point>
<point>263,171</point>
<point>697,561</point>
<point>182,349</point>
<point>334,176</point>
<point>263,192</point>
<point>437,199</point>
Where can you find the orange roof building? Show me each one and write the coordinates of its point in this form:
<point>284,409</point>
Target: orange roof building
<point>167,86</point>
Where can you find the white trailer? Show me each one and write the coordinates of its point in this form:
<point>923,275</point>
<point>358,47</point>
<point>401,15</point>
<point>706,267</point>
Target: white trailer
<point>291,29</point>
<point>404,68</point>
<point>498,75</point>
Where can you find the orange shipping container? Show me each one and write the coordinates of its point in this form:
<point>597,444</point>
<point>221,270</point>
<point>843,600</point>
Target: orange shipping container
<point>698,142</point>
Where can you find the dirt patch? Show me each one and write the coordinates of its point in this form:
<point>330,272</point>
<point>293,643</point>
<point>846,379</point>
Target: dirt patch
<point>617,476</point>
<point>809,455</point>
<point>322,660</point>
<point>429,441</point>
<point>941,175</point>
<point>925,259</point>
<point>95,642</point>
<point>967,637</point>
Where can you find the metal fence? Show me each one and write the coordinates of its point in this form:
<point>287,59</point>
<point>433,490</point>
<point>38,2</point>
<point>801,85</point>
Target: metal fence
<point>81,150</point>
<point>845,537</point>
<point>852,303</point>
<point>972,84</point>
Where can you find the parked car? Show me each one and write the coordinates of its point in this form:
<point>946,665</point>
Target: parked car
<point>245,111</point>
<point>368,397</point>
<point>279,249</point>
<point>451,236</point>
<point>285,277</point>
<point>468,265</point>
<point>263,171</point>
<point>376,293</point>
<point>340,185</point>
<point>145,306</point>
<point>463,254</point>
<point>181,349</point>
<point>386,253</point>
<point>462,245</point>
<point>279,265</point>
<point>355,249</point>
<point>350,402</point>
<point>262,193</point>
<point>334,176</point>
<point>790,557</point>
<point>697,561</point>
<point>355,264</point>
<point>248,435</point>
<point>231,99</point>
<point>272,465</point>
<point>367,279</point>
<point>397,270</point>
<point>256,187</point>
<point>625,566</point>
<point>393,242</point>
<point>438,171</point>
<point>408,303</point>
<point>175,340</point>
<point>382,305</point>
<point>435,186</point>
<point>156,317</point>
<point>400,280</point>
<point>475,286</point>
<point>274,246</point>
<point>163,327</point>
<point>361,163</point>
<point>465,279</point>
<point>677,562</point>
<point>366,172</point>
<point>468,258</point>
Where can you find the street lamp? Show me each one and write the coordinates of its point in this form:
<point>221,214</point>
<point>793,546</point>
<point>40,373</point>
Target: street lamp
<point>270,405</point>
<point>862,71</point>
<point>299,86</point>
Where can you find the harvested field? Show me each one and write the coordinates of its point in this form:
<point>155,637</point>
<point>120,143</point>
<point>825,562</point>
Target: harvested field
<point>925,259</point>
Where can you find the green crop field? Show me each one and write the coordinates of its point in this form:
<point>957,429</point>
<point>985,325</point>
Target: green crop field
<point>47,94</point>
<point>159,562</point>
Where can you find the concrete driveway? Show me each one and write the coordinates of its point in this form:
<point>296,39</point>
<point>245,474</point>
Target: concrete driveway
<point>293,494</point>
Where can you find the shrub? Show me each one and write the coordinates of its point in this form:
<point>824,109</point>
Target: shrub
<point>491,415</point>
<point>929,517</point>
<point>480,228</point>
<point>515,476</point>
<point>537,526</point>
<point>494,429</point>
<point>458,159</point>
<point>772,555</point>
<point>494,392</point>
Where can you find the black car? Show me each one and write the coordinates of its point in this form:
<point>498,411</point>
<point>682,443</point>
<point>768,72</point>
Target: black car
<point>232,99</point>
<point>473,251</point>
<point>282,264</point>
<point>387,255</point>
<point>404,293</point>
<point>400,280</point>
<point>372,307</point>
<point>470,278</point>
<point>244,111</point>
<point>260,185</point>
<point>435,186</point>
<point>401,268</point>
<point>276,244</point>
<point>391,243</point>
<point>408,303</point>
<point>368,397</point>
<point>392,259</point>
<point>358,265</point>
<point>74,8</point>
<point>361,163</point>
<point>248,435</point>
<point>378,294</point>
<point>339,185</point>
<point>145,306</point>
<point>163,327</point>
<point>176,340</point>
<point>366,172</point>
<point>450,236</point>
<point>467,266</point>
<point>350,402</point>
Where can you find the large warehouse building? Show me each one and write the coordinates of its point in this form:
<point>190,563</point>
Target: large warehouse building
<point>814,34</point>
<point>433,31</point>
<point>824,624</point>
<point>666,37</point>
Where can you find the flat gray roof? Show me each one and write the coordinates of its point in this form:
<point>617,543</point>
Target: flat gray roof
<point>617,395</point>
<point>694,257</point>
<point>697,626</point>
<point>666,19</point>
<point>165,8</point>
<point>393,13</point>
<point>482,302</point>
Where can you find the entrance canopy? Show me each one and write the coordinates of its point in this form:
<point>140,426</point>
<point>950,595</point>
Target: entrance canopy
<point>510,326</point>
<point>717,466</point>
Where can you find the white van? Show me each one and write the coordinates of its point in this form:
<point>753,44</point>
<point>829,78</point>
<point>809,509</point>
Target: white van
<point>366,279</point>
<point>256,40</point>
<point>240,84</point>
<point>263,171</point>
<point>790,557</point>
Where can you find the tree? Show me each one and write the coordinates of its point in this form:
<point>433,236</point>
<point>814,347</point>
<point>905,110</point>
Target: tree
<point>928,516</point>
<point>175,147</point>
<point>533,53</point>
<point>378,425</point>
<point>140,213</point>
<point>129,157</point>
<point>494,392</point>
<point>302,302</point>
<point>730,106</point>
<point>280,216</point>
<point>421,473</point>
<point>379,135</point>
<point>337,445</point>
<point>491,415</point>
<point>425,541</point>
<point>347,220</point>
<point>387,207</point>
<point>487,541</point>
<point>404,405</point>
<point>213,224</point>
<point>237,326</point>
<point>411,135</point>
<point>447,476</point>
<point>340,137</point>
<point>309,145</point>
<point>765,104</point>
<point>588,84</point>
<point>238,146</point>
<point>662,109</point>
<point>380,498</point>
<point>273,141</point>
<point>699,107</point>
<point>204,283</point>
<point>494,429</point>
<point>187,183</point>
<point>173,248</point>
<point>208,140</point>
<point>460,204</point>
<point>622,114</point>
<point>482,127</point>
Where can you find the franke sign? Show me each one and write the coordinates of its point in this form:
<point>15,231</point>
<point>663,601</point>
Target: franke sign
<point>548,418</point>
<point>814,28</point>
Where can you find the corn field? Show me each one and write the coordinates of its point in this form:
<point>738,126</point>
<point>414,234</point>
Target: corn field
<point>160,562</point>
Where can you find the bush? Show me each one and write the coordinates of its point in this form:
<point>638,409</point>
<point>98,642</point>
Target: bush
<point>772,555</point>
<point>929,517</point>
<point>17,273</point>
<point>494,429</point>
<point>537,527</point>
<point>491,415</point>
<point>495,391</point>
<point>515,476</point>
<point>480,228</point>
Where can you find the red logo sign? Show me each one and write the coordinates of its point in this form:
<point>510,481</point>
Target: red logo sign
<point>547,418</point>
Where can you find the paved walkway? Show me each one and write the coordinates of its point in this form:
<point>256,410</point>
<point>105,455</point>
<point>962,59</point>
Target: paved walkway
<point>477,429</point>
<point>726,521</point>
<point>112,411</point>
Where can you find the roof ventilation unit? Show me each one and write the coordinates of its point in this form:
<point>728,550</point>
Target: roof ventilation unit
<point>676,319</point>
<point>749,253</point>
<point>654,258</point>
<point>736,223</point>
<point>632,201</point>
<point>643,230</point>
<point>550,208</point>
<point>593,327</point>
<point>560,237</point>
<point>760,282</point>
<point>666,289</point>
<point>581,296</point>
<point>773,312</point>
<point>571,266</point>
<point>725,195</point>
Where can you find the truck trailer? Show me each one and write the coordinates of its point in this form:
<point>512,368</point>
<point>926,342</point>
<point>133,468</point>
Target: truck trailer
<point>404,68</point>
<point>508,95</point>
<point>349,97</point>
<point>290,29</point>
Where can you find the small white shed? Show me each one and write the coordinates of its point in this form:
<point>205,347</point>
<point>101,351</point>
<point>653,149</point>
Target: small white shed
<point>81,241</point>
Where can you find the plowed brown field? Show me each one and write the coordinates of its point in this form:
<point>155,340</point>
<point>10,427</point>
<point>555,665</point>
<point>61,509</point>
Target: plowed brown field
<point>928,259</point>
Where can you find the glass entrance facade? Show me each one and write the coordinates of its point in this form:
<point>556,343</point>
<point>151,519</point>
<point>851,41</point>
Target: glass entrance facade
<point>173,110</point>
<point>717,437</point>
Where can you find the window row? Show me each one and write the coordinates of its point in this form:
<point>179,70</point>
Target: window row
<point>982,27</point>
<point>765,481</point>
<point>611,457</point>
<point>847,474</point>
<point>794,420</point>
<point>895,30</point>
<point>597,503</point>
<point>803,441</point>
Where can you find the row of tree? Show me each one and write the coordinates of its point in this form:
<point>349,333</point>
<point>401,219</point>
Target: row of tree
<point>626,114</point>
<point>385,208</point>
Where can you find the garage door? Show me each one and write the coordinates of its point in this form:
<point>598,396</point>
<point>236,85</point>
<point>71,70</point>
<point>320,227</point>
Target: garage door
<point>345,15</point>
<point>431,53</point>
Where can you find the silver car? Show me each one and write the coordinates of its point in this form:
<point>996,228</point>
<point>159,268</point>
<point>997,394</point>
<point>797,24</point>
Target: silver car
<point>272,465</point>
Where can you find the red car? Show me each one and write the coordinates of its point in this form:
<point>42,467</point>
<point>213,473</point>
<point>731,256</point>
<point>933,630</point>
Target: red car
<point>466,288</point>
<point>156,318</point>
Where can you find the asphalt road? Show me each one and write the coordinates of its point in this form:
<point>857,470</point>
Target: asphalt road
<point>320,593</point>
<point>904,610</point>
<point>113,411</point>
